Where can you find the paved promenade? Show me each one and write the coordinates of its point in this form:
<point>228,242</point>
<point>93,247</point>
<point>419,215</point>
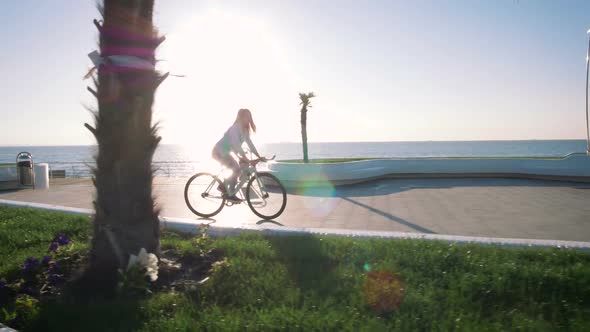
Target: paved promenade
<point>509,208</point>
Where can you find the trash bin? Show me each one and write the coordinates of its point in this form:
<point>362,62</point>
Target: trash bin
<point>24,166</point>
<point>25,173</point>
<point>41,174</point>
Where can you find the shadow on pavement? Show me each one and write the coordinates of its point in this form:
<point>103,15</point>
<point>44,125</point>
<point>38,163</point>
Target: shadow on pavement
<point>391,217</point>
<point>263,221</point>
<point>206,221</point>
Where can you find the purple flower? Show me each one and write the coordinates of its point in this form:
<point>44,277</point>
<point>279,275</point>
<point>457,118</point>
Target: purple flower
<point>46,259</point>
<point>53,246</point>
<point>28,290</point>
<point>15,321</point>
<point>62,240</point>
<point>54,278</point>
<point>59,240</point>
<point>53,268</point>
<point>30,264</point>
<point>2,285</point>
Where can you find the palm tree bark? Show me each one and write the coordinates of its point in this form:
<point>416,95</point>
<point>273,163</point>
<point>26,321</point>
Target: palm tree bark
<point>304,133</point>
<point>126,219</point>
<point>305,99</point>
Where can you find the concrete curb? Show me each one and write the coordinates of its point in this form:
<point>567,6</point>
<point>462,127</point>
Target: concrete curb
<point>46,207</point>
<point>192,226</point>
<point>4,328</point>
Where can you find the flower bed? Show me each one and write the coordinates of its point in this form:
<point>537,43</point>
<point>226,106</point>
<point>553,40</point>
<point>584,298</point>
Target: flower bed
<point>306,283</point>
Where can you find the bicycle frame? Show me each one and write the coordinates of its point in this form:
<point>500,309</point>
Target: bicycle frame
<point>249,171</point>
<point>261,188</point>
<point>242,180</point>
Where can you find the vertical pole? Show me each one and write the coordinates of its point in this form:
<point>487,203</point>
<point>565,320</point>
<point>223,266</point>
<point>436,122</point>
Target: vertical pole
<point>587,123</point>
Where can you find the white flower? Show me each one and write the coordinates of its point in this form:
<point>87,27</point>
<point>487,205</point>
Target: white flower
<point>147,261</point>
<point>152,267</point>
<point>153,274</point>
<point>143,257</point>
<point>132,261</point>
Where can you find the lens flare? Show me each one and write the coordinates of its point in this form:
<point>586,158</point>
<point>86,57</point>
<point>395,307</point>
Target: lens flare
<point>319,195</point>
<point>383,291</point>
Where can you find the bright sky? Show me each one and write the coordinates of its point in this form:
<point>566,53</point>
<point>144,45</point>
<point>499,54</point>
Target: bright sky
<point>383,70</point>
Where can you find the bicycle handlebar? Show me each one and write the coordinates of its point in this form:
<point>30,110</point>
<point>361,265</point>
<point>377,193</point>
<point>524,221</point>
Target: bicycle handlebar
<point>253,162</point>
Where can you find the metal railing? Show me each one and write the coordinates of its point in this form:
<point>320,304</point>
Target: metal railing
<point>161,168</point>
<point>587,74</point>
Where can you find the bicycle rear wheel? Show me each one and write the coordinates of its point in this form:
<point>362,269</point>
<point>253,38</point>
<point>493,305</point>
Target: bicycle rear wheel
<point>202,195</point>
<point>266,196</point>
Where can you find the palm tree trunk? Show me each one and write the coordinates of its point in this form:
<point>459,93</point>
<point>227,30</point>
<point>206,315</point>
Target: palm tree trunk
<point>304,134</point>
<point>126,219</point>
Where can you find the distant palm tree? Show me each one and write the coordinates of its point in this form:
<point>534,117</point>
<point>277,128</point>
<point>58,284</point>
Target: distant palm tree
<point>305,103</point>
<point>126,219</point>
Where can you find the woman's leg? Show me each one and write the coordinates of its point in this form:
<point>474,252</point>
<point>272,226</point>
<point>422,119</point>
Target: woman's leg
<point>229,162</point>
<point>233,165</point>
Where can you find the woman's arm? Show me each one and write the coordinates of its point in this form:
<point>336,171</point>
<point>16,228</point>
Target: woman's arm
<point>235,142</point>
<point>251,146</point>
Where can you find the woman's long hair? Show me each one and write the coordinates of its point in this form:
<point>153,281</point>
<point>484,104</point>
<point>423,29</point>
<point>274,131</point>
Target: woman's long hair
<point>248,125</point>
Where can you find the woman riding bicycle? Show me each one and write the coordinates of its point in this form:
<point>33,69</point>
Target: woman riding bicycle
<point>205,194</point>
<point>232,141</point>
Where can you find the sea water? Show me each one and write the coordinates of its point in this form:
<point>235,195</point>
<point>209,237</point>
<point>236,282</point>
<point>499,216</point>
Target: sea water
<point>183,160</point>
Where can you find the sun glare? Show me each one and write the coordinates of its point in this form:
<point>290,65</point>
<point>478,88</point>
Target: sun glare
<point>230,61</point>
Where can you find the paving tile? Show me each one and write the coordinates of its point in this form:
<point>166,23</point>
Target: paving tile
<point>480,207</point>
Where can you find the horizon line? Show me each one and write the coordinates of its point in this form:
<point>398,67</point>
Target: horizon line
<point>331,142</point>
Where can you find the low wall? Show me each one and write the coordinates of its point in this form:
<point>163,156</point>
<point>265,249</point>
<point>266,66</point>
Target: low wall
<point>574,167</point>
<point>8,174</point>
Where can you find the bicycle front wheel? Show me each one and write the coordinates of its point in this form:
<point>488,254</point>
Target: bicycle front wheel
<point>203,196</point>
<point>266,196</point>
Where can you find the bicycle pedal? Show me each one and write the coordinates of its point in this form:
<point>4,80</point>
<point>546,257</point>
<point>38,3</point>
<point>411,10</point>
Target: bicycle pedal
<point>233,199</point>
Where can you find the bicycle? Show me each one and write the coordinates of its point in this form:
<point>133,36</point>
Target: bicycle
<point>265,194</point>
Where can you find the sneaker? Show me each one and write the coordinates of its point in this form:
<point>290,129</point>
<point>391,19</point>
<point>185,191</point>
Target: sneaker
<point>233,198</point>
<point>221,188</point>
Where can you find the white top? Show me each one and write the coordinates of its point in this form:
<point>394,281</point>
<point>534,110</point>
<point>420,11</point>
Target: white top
<point>232,140</point>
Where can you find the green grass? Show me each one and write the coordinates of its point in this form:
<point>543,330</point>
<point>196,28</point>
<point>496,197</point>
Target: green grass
<point>27,232</point>
<point>313,283</point>
<point>7,165</point>
<point>342,160</point>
